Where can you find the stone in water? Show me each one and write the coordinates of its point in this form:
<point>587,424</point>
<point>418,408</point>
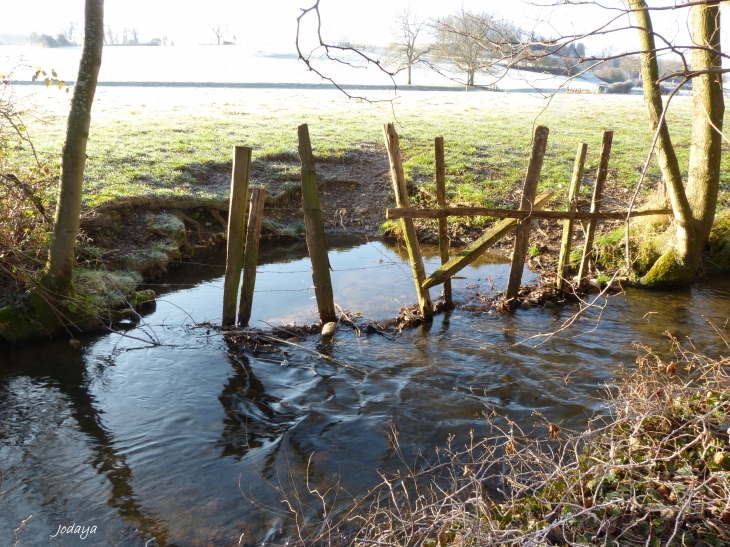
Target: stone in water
<point>329,330</point>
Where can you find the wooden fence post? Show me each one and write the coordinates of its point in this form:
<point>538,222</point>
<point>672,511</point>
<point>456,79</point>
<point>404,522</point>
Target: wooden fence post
<point>250,257</point>
<point>236,231</point>
<point>596,204</point>
<point>314,225</point>
<point>567,242</point>
<point>522,232</point>
<point>401,199</point>
<point>441,202</point>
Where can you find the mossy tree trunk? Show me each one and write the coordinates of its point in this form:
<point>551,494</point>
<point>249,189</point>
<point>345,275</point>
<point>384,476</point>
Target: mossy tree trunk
<point>61,259</point>
<point>693,205</point>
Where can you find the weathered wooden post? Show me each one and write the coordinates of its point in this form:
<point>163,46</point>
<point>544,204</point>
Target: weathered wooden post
<point>236,231</point>
<point>401,200</point>
<point>441,201</point>
<point>522,232</point>
<point>596,204</point>
<point>315,231</point>
<point>250,257</point>
<point>567,242</point>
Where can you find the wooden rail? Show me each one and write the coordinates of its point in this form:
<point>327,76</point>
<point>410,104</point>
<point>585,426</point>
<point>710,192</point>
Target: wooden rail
<point>407,212</point>
<point>477,249</point>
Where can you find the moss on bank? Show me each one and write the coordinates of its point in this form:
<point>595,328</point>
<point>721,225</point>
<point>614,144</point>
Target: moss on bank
<point>720,241</point>
<point>653,261</point>
<point>611,251</point>
<point>100,298</point>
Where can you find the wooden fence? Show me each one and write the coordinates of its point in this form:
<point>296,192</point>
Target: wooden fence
<point>532,206</point>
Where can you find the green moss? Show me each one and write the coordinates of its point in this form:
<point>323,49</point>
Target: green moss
<point>611,251</point>
<point>720,241</point>
<point>669,272</point>
<point>30,320</point>
<point>392,228</point>
<point>152,258</point>
<point>575,257</point>
<point>102,290</point>
<point>142,297</point>
<point>168,226</point>
<point>98,294</point>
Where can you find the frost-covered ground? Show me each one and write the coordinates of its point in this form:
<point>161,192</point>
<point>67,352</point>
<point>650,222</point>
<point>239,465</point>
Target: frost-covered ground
<point>246,65</point>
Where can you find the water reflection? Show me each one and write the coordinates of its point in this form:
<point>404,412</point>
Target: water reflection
<point>253,418</point>
<point>65,376</point>
<point>177,441</point>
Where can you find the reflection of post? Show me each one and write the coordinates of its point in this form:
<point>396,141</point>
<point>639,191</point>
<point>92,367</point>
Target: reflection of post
<point>315,231</point>
<point>236,231</point>
<point>596,204</point>
<point>250,259</point>
<point>441,202</point>
<point>522,233</point>
<point>401,200</point>
<point>565,246</point>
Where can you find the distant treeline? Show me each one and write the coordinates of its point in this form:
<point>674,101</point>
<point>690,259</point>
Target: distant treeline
<point>69,37</point>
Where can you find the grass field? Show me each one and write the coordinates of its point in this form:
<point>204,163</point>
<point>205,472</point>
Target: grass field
<point>168,141</point>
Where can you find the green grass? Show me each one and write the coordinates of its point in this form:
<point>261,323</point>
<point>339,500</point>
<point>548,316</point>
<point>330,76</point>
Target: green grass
<point>179,138</point>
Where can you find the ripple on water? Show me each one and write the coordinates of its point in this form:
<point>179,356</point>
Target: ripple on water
<point>192,442</point>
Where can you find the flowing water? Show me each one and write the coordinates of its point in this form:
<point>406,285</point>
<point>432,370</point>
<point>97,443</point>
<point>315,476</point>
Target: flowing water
<point>188,443</point>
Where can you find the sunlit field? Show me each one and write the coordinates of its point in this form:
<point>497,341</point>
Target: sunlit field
<point>167,140</point>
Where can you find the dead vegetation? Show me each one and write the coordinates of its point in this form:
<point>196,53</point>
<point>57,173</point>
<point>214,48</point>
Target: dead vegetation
<point>25,186</point>
<point>652,467</point>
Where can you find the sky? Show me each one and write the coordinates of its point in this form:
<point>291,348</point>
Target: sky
<point>271,24</point>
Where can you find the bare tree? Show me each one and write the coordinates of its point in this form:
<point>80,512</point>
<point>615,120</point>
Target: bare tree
<point>693,205</point>
<point>61,258</point>
<point>135,36</point>
<point>471,41</point>
<point>70,32</point>
<point>405,49</point>
<point>218,30</point>
<point>110,38</point>
<point>697,63</point>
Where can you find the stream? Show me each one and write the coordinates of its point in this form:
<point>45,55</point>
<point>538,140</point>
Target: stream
<point>189,443</point>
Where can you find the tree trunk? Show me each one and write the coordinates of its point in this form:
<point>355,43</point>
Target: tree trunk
<point>61,259</point>
<point>703,181</point>
<point>409,74</point>
<point>693,208</point>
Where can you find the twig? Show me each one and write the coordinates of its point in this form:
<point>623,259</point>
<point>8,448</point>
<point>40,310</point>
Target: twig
<point>322,355</point>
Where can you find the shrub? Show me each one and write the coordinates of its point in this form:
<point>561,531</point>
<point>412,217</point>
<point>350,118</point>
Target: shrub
<point>25,182</point>
<point>610,74</point>
<point>621,87</point>
<point>652,469</point>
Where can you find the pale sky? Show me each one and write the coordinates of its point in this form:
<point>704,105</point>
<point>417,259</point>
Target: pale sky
<point>272,23</point>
